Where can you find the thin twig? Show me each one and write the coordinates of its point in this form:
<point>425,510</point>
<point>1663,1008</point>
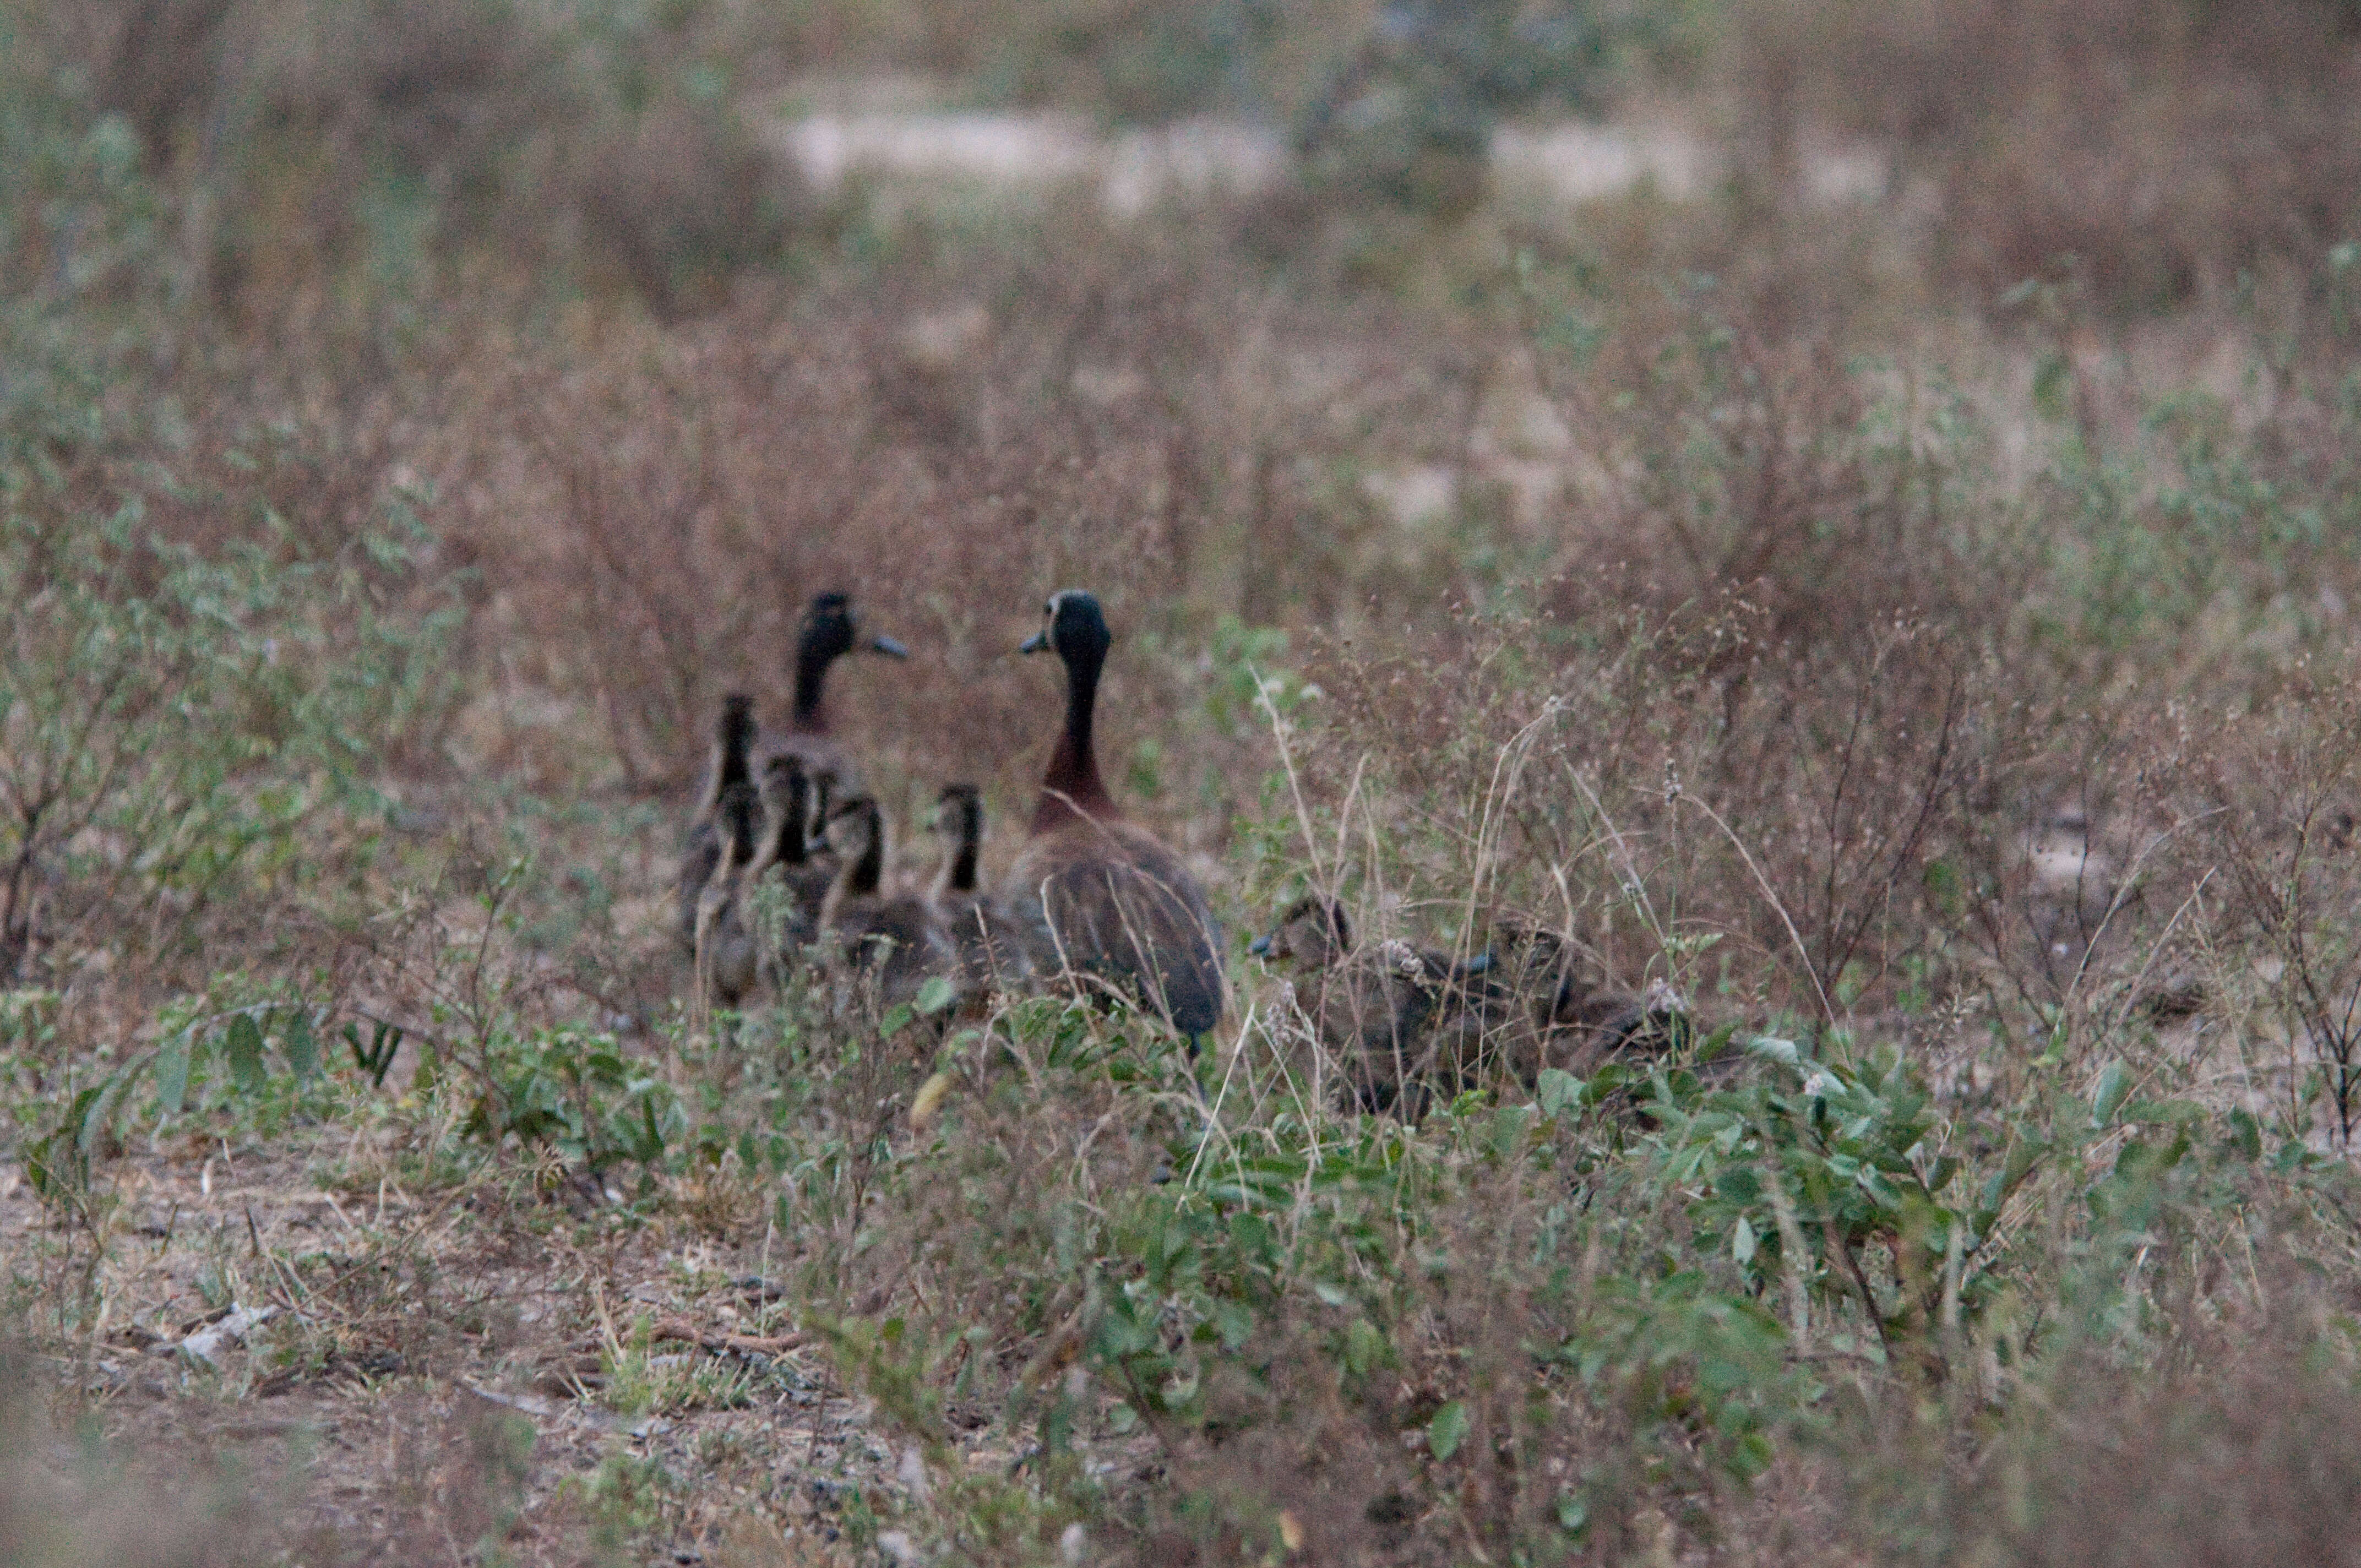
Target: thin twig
<point>1764,883</point>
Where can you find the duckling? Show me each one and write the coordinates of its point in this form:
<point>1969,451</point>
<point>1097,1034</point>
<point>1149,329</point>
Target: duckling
<point>728,796</point>
<point>892,940</point>
<point>722,942</point>
<point>1393,1016</point>
<point>824,785</point>
<point>990,957</point>
<point>1544,1010</point>
<point>1097,896</point>
<point>829,630</point>
<point>787,853</point>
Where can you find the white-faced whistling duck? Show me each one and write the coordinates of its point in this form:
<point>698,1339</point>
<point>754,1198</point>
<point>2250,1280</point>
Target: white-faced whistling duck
<point>991,958</point>
<point>1097,898</point>
<point>829,630</point>
<point>1398,1022</point>
<point>875,938</point>
<point>728,796</point>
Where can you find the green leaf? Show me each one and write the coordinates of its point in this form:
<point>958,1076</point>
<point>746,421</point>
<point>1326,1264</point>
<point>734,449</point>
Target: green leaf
<point>172,1073</point>
<point>1448,1430</point>
<point>302,1047</point>
<point>1573,1513</point>
<point>1507,1131</point>
<point>1560,1091</point>
<point>244,1048</point>
<point>92,1134</point>
<point>2107,1097</point>
<point>1236,1323</point>
<point>2053,386</point>
<point>2246,1134</point>
<point>1366,1348</point>
<point>1741,1241</point>
<point>935,995</point>
<point>2165,1113</point>
<point>60,1162</point>
<point>896,1018</point>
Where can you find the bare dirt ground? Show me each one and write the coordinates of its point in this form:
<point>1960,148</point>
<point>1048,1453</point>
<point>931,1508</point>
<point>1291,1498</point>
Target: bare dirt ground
<point>485,1323</point>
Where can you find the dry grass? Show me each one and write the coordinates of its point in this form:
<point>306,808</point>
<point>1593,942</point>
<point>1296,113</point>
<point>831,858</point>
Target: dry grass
<point>1946,685</point>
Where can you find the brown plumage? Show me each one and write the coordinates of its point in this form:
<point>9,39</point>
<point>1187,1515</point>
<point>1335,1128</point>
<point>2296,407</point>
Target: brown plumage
<point>1097,898</point>
<point>829,630</point>
<point>1543,1009</point>
<point>887,941</point>
<point>1398,1021</point>
<point>724,808</point>
<point>991,958</point>
<point>787,856</point>
<point>722,942</point>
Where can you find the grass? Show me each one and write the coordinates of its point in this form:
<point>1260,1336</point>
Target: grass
<point>1927,658</point>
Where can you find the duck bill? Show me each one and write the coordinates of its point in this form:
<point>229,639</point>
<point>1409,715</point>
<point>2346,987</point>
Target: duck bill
<point>888,646</point>
<point>1037,644</point>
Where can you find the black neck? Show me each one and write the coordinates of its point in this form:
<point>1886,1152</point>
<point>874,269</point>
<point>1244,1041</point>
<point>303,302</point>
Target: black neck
<point>730,755</point>
<point>869,869</point>
<point>959,866</point>
<point>738,821</point>
<point>1074,776</point>
<point>812,659</point>
<point>796,804</point>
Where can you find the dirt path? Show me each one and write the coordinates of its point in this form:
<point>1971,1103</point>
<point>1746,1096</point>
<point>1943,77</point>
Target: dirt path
<point>343,1361</point>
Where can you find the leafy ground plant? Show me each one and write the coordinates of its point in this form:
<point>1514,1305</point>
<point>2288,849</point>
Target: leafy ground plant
<point>1893,654</point>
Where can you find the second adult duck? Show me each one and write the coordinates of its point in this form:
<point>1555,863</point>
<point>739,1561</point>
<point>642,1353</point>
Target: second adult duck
<point>1098,897</point>
<point>829,630</point>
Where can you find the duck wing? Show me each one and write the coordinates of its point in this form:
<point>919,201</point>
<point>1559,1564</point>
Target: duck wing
<point>1108,900</point>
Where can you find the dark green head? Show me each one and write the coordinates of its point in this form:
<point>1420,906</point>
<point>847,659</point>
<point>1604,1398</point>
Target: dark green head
<point>1073,624</point>
<point>830,629</point>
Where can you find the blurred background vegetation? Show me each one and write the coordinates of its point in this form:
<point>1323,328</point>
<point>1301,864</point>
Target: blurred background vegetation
<point>1851,511</point>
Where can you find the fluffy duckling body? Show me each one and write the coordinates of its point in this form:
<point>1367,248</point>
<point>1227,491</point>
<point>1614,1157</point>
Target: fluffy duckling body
<point>1543,1009</point>
<point>991,958</point>
<point>725,806</point>
<point>1396,1020</point>
<point>889,940</point>
<point>722,940</point>
<point>1097,898</point>
<point>786,857</point>
<point>829,630</point>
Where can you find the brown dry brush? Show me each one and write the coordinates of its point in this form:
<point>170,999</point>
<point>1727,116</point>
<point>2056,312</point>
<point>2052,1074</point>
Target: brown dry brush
<point>1797,751</point>
<point>444,1480</point>
<point>1799,821</point>
<point>667,504</point>
<point>2153,153</point>
<point>2234,1444</point>
<point>2282,795</point>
